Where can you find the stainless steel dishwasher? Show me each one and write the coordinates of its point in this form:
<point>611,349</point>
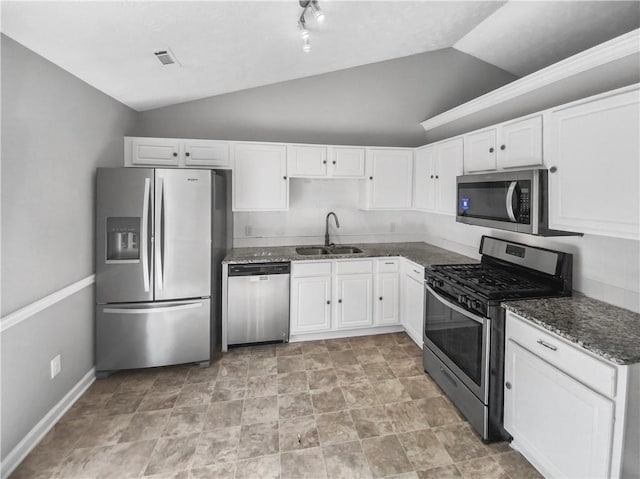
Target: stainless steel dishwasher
<point>258,303</point>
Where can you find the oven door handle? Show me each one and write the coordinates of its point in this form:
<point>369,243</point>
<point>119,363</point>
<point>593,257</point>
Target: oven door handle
<point>455,307</point>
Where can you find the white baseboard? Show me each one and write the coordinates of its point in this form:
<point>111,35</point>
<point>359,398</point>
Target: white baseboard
<point>33,437</point>
<point>349,333</point>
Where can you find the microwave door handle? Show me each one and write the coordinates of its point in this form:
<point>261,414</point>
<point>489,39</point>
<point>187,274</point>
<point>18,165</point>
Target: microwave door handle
<point>509,201</point>
<point>144,233</point>
<point>455,307</point>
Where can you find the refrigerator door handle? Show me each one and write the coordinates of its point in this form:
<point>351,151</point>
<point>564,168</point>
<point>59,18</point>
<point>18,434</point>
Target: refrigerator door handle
<point>160,236</point>
<point>144,233</point>
<point>162,309</point>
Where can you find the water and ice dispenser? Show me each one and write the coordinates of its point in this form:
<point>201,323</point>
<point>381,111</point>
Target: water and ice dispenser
<point>123,239</point>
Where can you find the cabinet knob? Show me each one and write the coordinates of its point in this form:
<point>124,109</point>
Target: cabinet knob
<point>284,177</point>
<point>187,154</point>
<point>503,147</point>
<point>328,302</point>
<point>339,301</point>
<point>437,177</point>
<point>334,162</point>
<point>380,298</point>
<point>371,177</point>
<point>491,150</point>
<point>553,169</point>
<point>175,154</point>
<point>507,385</point>
<point>431,177</point>
<point>324,162</point>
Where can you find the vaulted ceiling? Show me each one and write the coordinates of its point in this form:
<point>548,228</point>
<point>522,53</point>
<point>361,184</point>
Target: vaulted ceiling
<point>225,46</point>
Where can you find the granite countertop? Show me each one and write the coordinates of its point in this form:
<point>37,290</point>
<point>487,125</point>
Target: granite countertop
<point>418,252</point>
<point>608,331</point>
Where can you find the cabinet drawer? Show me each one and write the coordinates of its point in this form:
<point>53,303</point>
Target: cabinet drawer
<point>414,270</point>
<point>354,267</point>
<point>594,373</point>
<point>388,265</point>
<point>316,268</point>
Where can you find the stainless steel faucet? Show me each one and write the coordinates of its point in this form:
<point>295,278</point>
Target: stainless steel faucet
<point>326,230</point>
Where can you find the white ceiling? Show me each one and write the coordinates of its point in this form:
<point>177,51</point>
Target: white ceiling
<point>226,46</point>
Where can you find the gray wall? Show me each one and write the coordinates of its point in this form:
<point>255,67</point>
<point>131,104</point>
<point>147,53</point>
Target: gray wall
<point>377,104</point>
<point>56,130</point>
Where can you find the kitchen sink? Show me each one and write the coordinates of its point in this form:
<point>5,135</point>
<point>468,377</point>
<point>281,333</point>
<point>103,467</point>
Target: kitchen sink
<point>320,250</point>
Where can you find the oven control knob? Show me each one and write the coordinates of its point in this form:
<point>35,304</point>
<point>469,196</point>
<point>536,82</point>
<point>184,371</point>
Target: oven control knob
<point>439,283</point>
<point>462,298</point>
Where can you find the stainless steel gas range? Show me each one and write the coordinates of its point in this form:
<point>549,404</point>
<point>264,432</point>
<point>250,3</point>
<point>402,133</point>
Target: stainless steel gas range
<point>464,323</point>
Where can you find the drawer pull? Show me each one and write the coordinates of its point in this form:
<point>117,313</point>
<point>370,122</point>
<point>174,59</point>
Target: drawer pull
<point>448,376</point>
<point>416,271</point>
<point>507,385</point>
<point>547,345</point>
<point>389,262</point>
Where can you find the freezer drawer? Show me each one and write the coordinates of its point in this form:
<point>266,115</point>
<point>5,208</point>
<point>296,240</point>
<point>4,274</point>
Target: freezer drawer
<point>258,309</point>
<point>144,335</point>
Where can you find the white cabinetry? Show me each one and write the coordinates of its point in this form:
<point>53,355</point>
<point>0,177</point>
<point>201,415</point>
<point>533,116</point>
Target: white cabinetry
<point>172,152</point>
<point>387,289</point>
<point>389,179</point>
<point>310,297</point>
<point>346,162</point>
<point>436,168</point>
<point>412,303</point>
<point>260,181</point>
<point>310,161</point>
<point>354,300</point>
<point>564,407</point>
<point>593,152</point>
<point>513,144</point>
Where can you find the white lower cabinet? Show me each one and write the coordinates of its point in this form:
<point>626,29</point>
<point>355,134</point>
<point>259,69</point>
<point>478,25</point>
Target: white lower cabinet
<point>310,304</point>
<point>412,303</point>
<point>560,423</point>
<point>386,299</point>
<point>354,306</point>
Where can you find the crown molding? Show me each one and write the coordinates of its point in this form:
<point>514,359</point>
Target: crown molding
<point>614,49</point>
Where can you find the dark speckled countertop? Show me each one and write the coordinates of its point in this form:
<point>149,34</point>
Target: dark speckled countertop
<point>418,252</point>
<point>606,330</point>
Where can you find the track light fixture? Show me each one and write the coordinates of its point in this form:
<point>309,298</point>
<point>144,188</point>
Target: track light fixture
<point>302,22</point>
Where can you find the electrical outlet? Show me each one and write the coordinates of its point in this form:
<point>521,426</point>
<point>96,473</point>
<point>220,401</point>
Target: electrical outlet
<point>56,366</point>
<point>248,230</point>
<point>392,227</point>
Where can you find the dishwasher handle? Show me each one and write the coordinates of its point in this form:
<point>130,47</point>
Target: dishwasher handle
<point>259,269</point>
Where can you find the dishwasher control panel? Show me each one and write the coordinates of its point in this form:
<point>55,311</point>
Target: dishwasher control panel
<point>259,269</point>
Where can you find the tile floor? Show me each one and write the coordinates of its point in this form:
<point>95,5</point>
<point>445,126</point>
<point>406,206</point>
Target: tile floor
<point>345,408</point>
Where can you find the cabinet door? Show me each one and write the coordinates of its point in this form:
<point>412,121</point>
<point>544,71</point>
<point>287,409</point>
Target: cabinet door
<point>559,424</point>
<point>198,153</point>
<point>594,149</point>
<point>390,178</point>
<point>346,162</point>
<point>260,181</point>
<point>424,188</point>
<point>412,305</point>
<point>448,167</point>
<point>386,299</point>
<point>480,151</point>
<point>155,152</point>
<point>307,161</point>
<point>310,304</point>
<point>521,143</point>
<point>354,300</point>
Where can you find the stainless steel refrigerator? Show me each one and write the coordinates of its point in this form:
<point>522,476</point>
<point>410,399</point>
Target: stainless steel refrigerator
<point>160,237</point>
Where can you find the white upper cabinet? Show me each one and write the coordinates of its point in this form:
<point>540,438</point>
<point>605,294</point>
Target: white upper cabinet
<point>436,168</point>
<point>520,143</point>
<point>346,162</point>
<point>480,151</point>
<point>173,152</point>
<point>513,144</point>
<point>260,181</point>
<point>389,181</point>
<point>307,161</point>
<point>593,157</point>
<point>147,152</point>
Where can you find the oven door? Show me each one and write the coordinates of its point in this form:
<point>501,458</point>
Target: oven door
<point>460,339</point>
<point>498,200</point>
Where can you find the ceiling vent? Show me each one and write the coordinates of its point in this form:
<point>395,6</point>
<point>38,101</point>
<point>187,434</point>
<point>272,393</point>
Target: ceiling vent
<point>166,57</point>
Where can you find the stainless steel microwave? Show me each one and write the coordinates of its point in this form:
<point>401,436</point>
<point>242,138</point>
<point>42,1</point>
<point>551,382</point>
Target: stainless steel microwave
<point>512,200</point>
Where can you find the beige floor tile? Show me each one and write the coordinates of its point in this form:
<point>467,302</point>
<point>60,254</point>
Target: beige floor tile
<point>223,414</point>
<point>339,344</point>
<point>441,472</point>
<point>258,440</point>
<point>288,349</point>
<point>104,431</point>
<point>303,464</point>
<point>156,401</point>
<point>184,474</point>
<point>194,395</point>
<point>420,387</point>
<point>350,373</point>
<point>386,456</point>
<point>217,446</point>
<point>378,371</point>
<point>360,394</point>
<point>259,410</point>
<point>146,425</point>
<point>327,400</point>
<point>260,386</point>
<point>125,403</point>
<point>262,366</point>
<point>317,361</point>
<point>290,364</point>
<point>126,460</point>
<point>322,378</point>
<point>200,375</point>
<point>84,463</point>
<point>346,461</point>
<point>405,367</point>
<point>516,466</point>
<point>172,454</point>
<point>264,351</point>
<point>439,411</point>
<point>482,468</point>
<point>461,442</point>
<point>313,347</point>
<point>369,355</point>
<point>371,421</point>
<point>294,405</point>
<point>223,470</point>
<point>298,433</point>
<point>265,467</point>
<point>185,420</point>
<point>424,450</point>
<point>390,390</point>
<point>344,357</point>
<point>292,382</point>
<point>336,427</point>
<point>406,416</point>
